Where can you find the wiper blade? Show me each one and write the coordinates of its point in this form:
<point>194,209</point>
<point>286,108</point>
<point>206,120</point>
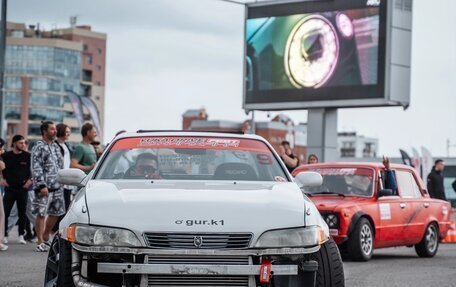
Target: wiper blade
<point>329,192</point>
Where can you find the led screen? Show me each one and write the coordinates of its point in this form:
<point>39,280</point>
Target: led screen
<point>314,52</point>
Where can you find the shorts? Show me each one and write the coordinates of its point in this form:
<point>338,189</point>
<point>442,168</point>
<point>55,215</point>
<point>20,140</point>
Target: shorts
<point>52,204</point>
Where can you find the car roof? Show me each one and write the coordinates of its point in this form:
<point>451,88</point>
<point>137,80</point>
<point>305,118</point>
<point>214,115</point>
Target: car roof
<point>167,133</point>
<point>375,165</point>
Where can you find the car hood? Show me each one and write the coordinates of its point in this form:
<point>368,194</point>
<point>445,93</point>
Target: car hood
<point>331,203</point>
<point>164,206</point>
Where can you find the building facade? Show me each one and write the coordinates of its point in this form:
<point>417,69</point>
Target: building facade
<point>352,145</point>
<point>42,68</point>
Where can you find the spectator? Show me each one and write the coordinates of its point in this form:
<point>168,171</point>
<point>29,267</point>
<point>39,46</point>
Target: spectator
<point>18,181</point>
<point>49,200</point>
<point>63,133</point>
<point>286,154</point>
<point>390,178</point>
<point>3,247</point>
<point>313,158</point>
<point>435,181</point>
<point>85,155</point>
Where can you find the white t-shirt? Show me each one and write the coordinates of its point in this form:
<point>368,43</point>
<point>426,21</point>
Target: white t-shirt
<point>66,156</point>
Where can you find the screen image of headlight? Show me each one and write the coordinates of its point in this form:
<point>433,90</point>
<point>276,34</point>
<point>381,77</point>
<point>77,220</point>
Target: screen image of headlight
<point>311,52</point>
<point>94,235</point>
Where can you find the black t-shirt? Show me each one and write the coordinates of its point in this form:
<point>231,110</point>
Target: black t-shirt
<point>17,168</point>
<point>290,169</point>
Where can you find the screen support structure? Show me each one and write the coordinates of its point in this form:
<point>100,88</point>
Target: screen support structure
<point>322,134</point>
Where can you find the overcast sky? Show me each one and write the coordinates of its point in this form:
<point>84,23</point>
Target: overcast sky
<point>165,56</point>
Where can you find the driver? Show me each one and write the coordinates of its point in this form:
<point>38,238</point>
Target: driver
<point>146,166</point>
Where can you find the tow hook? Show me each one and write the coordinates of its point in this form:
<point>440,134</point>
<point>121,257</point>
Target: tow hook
<point>265,270</point>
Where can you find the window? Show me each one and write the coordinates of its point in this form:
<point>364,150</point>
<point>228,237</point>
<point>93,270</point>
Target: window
<point>87,75</point>
<point>88,59</point>
<point>191,158</point>
<point>407,185</point>
<point>85,47</point>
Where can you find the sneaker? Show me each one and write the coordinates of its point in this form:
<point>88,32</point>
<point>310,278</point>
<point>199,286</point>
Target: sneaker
<point>42,248</point>
<point>33,240</point>
<point>3,247</point>
<point>5,240</point>
<point>22,240</point>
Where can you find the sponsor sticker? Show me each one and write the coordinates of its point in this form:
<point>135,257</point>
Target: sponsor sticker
<point>279,179</point>
<point>385,211</point>
<point>334,232</point>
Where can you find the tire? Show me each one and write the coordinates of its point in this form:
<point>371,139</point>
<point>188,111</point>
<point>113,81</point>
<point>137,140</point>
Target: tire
<point>360,245</point>
<point>330,271</point>
<point>429,245</point>
<point>58,266</point>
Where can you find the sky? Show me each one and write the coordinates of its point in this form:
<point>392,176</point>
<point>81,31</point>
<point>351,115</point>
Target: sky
<point>167,56</point>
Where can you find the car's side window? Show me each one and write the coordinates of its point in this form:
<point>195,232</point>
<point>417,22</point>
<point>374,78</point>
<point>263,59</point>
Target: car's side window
<point>416,187</point>
<point>407,185</point>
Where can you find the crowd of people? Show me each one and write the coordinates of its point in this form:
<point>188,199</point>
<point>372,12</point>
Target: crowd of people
<point>29,180</point>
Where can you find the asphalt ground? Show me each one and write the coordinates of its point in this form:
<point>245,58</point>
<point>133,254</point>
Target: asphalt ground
<point>21,266</point>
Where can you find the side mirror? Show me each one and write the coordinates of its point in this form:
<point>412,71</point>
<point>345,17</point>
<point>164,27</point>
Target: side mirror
<point>308,179</point>
<point>385,192</point>
<point>71,176</point>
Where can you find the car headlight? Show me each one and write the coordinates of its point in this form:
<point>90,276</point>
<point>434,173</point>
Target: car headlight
<point>95,235</point>
<point>332,220</point>
<point>296,237</point>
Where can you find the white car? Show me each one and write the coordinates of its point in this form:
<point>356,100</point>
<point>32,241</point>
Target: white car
<point>192,209</point>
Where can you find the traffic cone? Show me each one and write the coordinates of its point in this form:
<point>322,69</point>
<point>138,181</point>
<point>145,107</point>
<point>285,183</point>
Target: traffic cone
<point>451,235</point>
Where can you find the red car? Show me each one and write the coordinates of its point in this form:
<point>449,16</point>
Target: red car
<point>363,214</point>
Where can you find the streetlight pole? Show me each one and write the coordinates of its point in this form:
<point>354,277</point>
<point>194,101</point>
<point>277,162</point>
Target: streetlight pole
<point>2,68</point>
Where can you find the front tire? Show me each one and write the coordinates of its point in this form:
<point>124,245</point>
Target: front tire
<point>429,245</point>
<point>360,245</point>
<point>58,267</point>
<point>330,271</point>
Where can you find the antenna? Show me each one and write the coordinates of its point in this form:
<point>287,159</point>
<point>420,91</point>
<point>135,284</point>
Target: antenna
<point>73,20</point>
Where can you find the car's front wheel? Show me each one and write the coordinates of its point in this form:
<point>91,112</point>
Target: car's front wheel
<point>330,271</point>
<point>58,267</point>
<point>429,245</point>
<point>360,245</point>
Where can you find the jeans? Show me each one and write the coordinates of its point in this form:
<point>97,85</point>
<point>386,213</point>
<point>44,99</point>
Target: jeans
<point>20,197</point>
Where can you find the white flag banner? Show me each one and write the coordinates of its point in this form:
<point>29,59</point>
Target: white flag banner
<point>416,161</point>
<point>428,162</point>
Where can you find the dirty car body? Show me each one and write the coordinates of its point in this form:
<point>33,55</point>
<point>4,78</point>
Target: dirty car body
<point>364,214</point>
<point>180,209</point>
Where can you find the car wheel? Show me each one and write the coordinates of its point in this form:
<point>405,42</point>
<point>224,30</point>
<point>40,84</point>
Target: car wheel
<point>429,245</point>
<point>330,271</point>
<point>58,266</point>
<point>360,245</point>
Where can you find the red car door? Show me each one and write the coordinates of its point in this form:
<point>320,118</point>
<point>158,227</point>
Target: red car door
<point>416,206</point>
<point>393,211</point>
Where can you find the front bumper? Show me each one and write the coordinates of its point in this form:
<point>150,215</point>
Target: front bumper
<point>196,264</point>
<point>221,252</point>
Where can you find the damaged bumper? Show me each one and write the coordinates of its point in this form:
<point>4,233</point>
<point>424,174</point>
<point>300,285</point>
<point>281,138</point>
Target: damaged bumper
<point>203,266</point>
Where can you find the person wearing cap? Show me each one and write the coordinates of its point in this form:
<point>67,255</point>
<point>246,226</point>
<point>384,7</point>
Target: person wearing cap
<point>18,181</point>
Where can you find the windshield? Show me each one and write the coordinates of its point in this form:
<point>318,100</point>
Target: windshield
<point>345,181</point>
<point>191,158</point>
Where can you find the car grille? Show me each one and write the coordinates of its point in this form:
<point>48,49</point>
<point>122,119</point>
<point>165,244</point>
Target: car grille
<point>196,280</point>
<point>198,241</point>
